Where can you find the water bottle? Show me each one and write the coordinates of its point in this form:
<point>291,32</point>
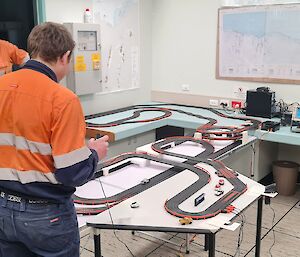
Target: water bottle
<point>88,18</point>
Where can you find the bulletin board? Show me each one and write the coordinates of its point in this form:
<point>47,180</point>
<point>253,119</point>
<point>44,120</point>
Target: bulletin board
<point>259,43</point>
<point>120,46</point>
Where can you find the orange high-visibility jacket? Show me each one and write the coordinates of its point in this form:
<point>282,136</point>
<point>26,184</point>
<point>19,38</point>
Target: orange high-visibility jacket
<point>9,55</point>
<point>42,135</point>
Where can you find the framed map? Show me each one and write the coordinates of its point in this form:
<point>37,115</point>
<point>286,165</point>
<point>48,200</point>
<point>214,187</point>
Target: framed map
<point>259,43</point>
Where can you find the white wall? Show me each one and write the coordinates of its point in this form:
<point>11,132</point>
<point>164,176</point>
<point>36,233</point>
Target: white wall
<point>66,10</point>
<point>178,46</point>
<point>56,12</point>
<point>184,51</point>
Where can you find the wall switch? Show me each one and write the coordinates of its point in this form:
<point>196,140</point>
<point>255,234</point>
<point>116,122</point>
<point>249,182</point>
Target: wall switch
<point>214,102</point>
<point>185,87</point>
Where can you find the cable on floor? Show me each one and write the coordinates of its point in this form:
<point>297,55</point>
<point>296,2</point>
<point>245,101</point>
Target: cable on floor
<point>271,228</point>
<point>241,234</point>
<point>111,219</point>
<point>274,238</point>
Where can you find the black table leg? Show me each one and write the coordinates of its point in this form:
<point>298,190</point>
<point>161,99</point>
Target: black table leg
<point>211,245</point>
<point>206,242</point>
<point>97,244</point>
<point>258,226</point>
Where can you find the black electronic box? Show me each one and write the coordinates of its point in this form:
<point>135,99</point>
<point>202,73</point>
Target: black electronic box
<point>260,103</point>
<point>271,126</point>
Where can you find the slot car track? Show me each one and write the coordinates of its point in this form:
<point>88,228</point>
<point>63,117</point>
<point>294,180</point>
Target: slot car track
<point>208,130</point>
<point>175,169</point>
<point>166,113</point>
<point>191,163</point>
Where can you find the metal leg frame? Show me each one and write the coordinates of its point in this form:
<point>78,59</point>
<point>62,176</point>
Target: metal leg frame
<point>258,226</point>
<point>209,239</point>
<point>211,245</point>
<point>252,160</point>
<point>206,242</point>
<point>97,242</point>
<point>187,245</point>
<point>169,241</point>
<point>210,242</point>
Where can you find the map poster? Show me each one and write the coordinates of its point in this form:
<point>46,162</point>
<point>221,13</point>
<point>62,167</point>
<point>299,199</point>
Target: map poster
<point>259,43</point>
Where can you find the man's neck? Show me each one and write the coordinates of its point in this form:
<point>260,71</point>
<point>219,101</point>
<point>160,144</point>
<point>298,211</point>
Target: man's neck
<point>35,64</point>
<point>50,65</point>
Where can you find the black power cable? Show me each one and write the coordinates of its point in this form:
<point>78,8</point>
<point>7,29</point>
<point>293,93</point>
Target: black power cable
<point>111,219</point>
<point>274,238</point>
<point>241,232</point>
<point>271,229</point>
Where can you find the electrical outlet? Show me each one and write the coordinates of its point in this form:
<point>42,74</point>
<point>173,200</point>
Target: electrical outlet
<point>224,103</point>
<point>214,102</point>
<point>185,87</point>
<point>236,104</point>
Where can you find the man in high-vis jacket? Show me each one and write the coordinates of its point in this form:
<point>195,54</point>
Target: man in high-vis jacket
<point>11,55</point>
<point>43,155</point>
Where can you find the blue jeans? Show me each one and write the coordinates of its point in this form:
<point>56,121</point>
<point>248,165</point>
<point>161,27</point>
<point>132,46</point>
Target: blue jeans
<point>38,230</point>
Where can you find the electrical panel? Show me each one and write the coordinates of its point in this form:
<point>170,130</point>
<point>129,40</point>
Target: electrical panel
<point>85,69</point>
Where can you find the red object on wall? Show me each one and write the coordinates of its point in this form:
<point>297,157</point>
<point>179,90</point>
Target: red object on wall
<point>236,104</point>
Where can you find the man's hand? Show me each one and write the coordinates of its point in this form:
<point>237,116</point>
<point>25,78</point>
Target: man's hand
<point>99,145</point>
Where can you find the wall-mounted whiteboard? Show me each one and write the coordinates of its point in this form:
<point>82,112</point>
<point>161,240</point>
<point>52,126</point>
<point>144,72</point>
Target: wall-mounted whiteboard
<point>120,50</point>
<point>259,43</point>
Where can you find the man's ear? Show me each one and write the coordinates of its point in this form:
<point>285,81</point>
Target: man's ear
<point>65,58</point>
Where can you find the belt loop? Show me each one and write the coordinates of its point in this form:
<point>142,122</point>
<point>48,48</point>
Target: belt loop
<point>22,205</point>
<point>4,203</point>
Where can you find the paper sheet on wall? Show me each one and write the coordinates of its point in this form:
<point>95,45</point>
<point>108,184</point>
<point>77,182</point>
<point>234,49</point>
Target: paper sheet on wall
<point>119,20</point>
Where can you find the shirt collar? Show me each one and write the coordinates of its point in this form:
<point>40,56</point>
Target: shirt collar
<point>40,67</point>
